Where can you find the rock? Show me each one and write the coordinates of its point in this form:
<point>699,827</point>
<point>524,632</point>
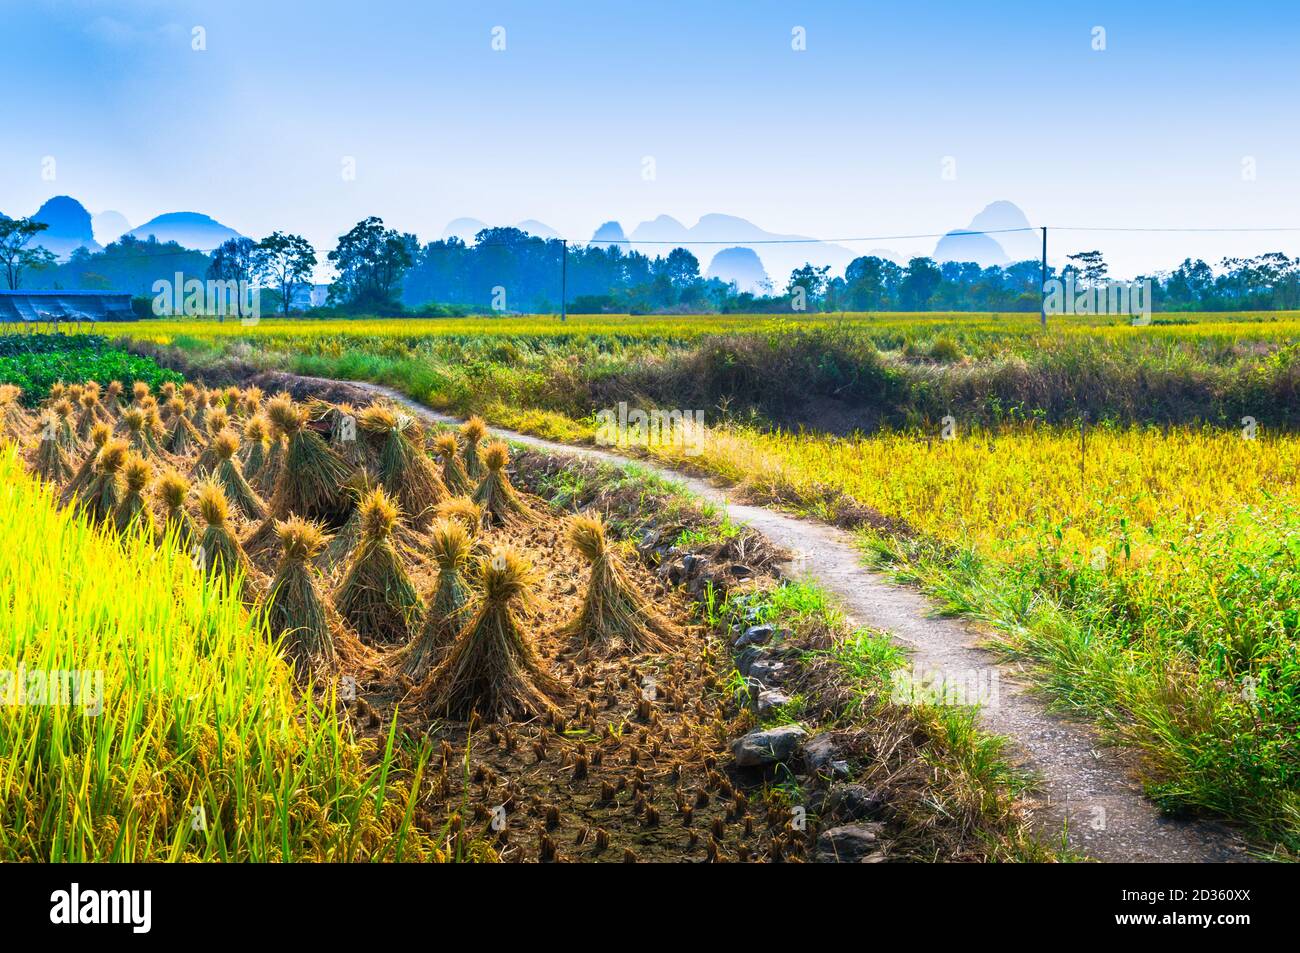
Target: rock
<point>748,657</point>
<point>840,769</point>
<point>819,753</point>
<point>692,563</point>
<point>741,572</point>
<point>850,844</point>
<point>773,746</point>
<point>755,635</point>
<point>767,671</point>
<point>771,698</point>
<point>853,802</point>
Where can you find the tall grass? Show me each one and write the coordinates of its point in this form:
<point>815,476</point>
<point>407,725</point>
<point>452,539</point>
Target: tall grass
<point>199,747</point>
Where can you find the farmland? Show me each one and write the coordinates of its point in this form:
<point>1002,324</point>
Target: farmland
<point>1119,502</point>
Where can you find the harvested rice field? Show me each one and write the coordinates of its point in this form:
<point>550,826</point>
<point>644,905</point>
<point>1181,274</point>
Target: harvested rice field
<point>465,655</point>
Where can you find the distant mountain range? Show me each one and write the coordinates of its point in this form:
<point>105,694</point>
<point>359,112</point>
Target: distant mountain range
<point>71,227</point>
<point>728,247</point>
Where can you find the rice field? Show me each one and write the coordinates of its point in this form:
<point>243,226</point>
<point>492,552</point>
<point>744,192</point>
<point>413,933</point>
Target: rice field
<point>1147,569</point>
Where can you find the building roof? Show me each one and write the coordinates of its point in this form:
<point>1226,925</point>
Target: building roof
<point>55,306</point>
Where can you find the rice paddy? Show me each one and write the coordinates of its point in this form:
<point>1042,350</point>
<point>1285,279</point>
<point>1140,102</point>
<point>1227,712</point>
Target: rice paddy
<point>1120,502</point>
<point>306,645</point>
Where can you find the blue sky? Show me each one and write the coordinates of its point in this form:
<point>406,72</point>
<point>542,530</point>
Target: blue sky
<point>845,138</point>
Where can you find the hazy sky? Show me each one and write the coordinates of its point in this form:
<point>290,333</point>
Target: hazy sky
<point>844,138</point>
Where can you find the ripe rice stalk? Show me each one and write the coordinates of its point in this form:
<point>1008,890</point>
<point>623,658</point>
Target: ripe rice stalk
<point>113,399</point>
<point>172,491</point>
<point>267,475</point>
<point>99,435</point>
<point>133,510</point>
<point>183,437</point>
<point>473,431</point>
<point>501,503</point>
<point>13,419</point>
<point>450,545</point>
<point>167,391</point>
<point>198,404</point>
<point>410,543</point>
<point>447,449</point>
<point>228,473</point>
<point>493,668</point>
<point>88,415</point>
<point>376,595</point>
<point>47,458</point>
<point>614,617</point>
<point>309,481</point>
<point>219,552</point>
<point>252,401</point>
<point>139,391</point>
<point>217,420</point>
<point>339,421</point>
<point>252,452</point>
<point>105,490</point>
<point>65,431</point>
<point>135,426</point>
<point>462,510</point>
<point>296,610</point>
<point>401,464</point>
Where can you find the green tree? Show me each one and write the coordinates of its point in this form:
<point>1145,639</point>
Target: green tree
<point>371,261</point>
<point>284,262</point>
<point>234,260</point>
<point>15,256</point>
<point>919,284</point>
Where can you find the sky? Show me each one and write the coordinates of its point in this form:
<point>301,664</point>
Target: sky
<point>895,118</point>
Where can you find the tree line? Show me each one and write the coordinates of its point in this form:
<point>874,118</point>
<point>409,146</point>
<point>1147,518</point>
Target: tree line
<point>382,271</point>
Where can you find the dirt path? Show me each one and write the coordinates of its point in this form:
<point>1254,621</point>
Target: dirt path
<point>1085,788</point>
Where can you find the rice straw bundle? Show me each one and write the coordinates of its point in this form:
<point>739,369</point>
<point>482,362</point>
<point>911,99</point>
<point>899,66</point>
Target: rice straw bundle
<point>219,552</point>
<point>473,430</point>
<point>450,544</point>
<point>614,617</point>
<point>401,465</point>
<point>376,595</point>
<point>493,668</point>
<point>501,504</point>
<point>454,475</point>
<point>231,477</point>
<point>133,509</point>
<point>173,490</point>
<point>99,435</point>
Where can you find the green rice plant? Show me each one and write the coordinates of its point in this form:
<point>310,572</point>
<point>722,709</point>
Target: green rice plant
<point>182,736</point>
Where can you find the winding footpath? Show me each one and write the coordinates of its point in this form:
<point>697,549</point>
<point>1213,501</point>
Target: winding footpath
<point>1085,794</point>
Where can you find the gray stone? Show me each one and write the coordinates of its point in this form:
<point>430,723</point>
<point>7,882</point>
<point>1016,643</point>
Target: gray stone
<point>748,657</point>
<point>853,802</point>
<point>819,752</point>
<point>850,844</point>
<point>755,635</point>
<point>767,671</point>
<point>771,698</point>
<point>772,746</point>
<point>692,563</point>
<point>741,572</point>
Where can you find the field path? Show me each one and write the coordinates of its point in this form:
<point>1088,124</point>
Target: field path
<point>1086,791</point>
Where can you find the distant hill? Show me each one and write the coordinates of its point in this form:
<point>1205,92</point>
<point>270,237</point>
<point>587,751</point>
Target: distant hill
<point>743,267</point>
<point>69,224</point>
<point>1000,248</point>
<point>610,232</point>
<point>109,226</point>
<point>778,260</point>
<point>188,229</point>
<point>466,228</point>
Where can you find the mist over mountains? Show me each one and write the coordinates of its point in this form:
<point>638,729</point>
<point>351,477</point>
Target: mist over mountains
<point>727,247</point>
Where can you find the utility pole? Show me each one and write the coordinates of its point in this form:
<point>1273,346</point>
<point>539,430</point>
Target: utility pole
<point>1043,290</point>
<point>564,280</point>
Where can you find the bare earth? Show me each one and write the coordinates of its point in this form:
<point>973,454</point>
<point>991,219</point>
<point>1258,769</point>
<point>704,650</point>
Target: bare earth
<point>1086,792</point>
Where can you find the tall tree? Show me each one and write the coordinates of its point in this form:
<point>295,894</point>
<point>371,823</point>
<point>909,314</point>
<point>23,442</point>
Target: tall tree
<point>285,262</point>
<point>371,261</point>
<point>234,260</point>
<point>16,257</point>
